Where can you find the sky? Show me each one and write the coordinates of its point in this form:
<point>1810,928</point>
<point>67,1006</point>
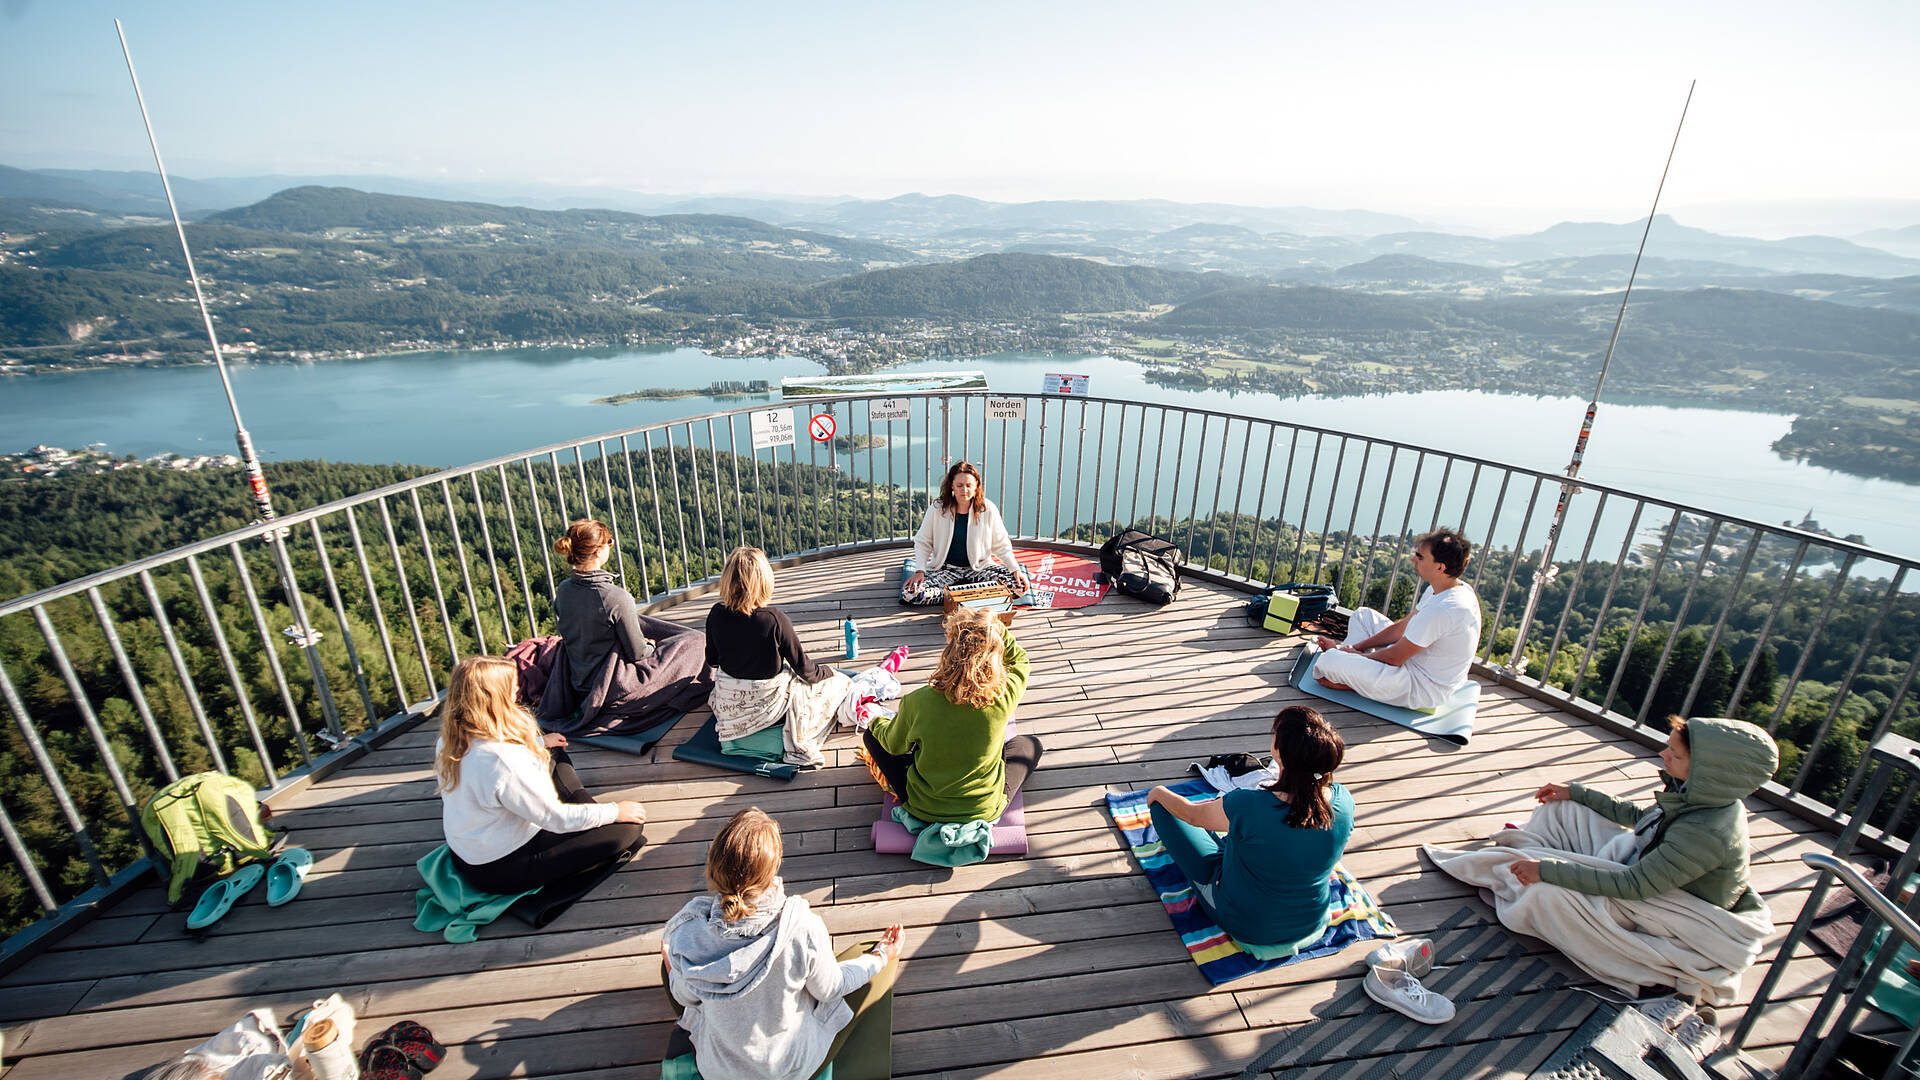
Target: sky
<point>1492,115</point>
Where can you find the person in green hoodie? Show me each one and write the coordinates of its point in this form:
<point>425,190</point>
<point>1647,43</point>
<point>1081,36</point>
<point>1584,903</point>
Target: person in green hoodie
<point>946,755</point>
<point>1694,837</point>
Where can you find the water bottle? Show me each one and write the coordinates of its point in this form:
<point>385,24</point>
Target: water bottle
<point>853,640</point>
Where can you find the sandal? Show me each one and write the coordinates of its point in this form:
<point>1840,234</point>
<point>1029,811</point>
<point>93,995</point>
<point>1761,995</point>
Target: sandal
<point>287,874</point>
<point>223,894</point>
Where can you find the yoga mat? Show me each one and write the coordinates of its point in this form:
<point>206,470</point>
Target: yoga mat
<point>704,749</point>
<point>1009,833</point>
<point>1352,913</point>
<point>640,742</point>
<point>1452,721</point>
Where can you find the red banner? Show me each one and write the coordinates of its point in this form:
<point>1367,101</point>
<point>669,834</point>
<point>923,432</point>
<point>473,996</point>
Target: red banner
<point>1073,581</point>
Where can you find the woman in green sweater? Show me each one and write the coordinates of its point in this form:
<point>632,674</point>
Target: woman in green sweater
<point>1694,837</point>
<point>946,755</point>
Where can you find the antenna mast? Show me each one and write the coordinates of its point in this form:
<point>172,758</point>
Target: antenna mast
<point>1517,663</point>
<point>302,632</point>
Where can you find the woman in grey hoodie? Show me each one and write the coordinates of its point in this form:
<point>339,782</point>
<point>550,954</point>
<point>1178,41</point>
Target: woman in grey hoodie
<point>752,971</point>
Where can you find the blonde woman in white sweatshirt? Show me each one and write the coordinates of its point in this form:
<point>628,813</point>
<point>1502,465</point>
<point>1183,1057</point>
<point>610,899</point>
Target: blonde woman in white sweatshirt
<point>515,813</point>
<point>961,539</point>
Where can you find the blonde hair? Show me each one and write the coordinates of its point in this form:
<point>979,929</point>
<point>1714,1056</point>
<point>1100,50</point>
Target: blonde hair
<point>972,671</point>
<point>482,705</point>
<point>746,583</point>
<point>743,861</point>
<point>582,541</point>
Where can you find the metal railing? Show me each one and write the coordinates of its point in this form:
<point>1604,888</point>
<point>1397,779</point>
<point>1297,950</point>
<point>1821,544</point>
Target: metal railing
<point>123,680</point>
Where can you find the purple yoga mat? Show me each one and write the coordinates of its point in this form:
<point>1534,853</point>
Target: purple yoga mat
<point>1009,833</point>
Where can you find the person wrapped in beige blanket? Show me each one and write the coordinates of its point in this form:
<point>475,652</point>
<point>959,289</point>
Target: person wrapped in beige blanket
<point>762,674</point>
<point>1641,896</point>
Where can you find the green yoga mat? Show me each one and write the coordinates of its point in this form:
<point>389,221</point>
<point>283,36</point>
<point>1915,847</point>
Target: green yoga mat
<point>1452,721</point>
<point>704,749</point>
<point>639,743</point>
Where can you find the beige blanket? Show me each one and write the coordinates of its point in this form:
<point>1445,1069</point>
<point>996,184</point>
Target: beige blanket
<point>1675,939</point>
<point>744,706</point>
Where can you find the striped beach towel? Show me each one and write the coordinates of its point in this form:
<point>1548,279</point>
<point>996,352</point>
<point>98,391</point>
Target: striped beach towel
<point>1352,914</point>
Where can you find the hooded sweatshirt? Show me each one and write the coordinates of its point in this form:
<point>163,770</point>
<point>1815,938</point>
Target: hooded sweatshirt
<point>764,993</point>
<point>1695,835</point>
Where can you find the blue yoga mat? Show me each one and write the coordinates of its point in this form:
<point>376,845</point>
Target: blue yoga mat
<point>639,743</point>
<point>1452,721</point>
<point>704,749</point>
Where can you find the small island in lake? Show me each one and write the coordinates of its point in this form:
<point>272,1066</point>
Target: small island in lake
<point>756,388</point>
<point>859,442</point>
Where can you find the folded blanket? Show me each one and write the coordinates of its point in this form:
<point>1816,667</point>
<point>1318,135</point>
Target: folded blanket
<point>946,843</point>
<point>451,907</point>
<point>767,744</point>
<point>1675,939</point>
<point>1352,914</point>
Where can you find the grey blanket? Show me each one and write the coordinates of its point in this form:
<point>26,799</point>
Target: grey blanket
<point>626,696</point>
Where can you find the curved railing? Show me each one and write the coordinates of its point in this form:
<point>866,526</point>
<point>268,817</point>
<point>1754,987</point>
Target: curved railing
<point>1666,608</point>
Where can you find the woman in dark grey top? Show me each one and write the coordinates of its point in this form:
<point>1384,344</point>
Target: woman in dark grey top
<point>617,671</point>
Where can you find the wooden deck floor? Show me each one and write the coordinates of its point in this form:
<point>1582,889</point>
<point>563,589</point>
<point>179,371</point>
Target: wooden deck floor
<point>1061,964</point>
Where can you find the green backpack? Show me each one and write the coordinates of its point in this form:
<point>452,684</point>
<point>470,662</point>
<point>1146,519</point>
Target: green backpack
<point>210,816</point>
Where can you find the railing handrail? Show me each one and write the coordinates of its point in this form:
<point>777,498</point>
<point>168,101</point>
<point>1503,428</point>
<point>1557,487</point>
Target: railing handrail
<point>257,529</point>
<point>1863,889</point>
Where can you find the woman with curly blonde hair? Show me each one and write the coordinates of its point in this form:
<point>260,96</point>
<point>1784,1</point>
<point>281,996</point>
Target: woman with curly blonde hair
<point>515,814</point>
<point>946,755</point>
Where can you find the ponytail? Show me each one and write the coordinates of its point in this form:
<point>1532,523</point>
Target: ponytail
<point>743,862</point>
<point>1308,750</point>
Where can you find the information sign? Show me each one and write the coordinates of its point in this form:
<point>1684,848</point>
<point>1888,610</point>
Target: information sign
<point>1007,408</point>
<point>888,408</point>
<point>772,427</point>
<point>1064,384</point>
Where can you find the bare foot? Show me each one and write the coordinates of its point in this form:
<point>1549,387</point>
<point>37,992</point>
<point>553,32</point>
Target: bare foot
<point>1326,644</point>
<point>1331,685</point>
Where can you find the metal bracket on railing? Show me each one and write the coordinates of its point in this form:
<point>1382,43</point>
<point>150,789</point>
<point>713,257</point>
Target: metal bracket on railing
<point>304,637</point>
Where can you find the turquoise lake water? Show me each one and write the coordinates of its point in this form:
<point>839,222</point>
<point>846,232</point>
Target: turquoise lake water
<point>452,408</point>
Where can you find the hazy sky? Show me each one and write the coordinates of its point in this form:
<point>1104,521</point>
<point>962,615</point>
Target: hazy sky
<point>1509,114</point>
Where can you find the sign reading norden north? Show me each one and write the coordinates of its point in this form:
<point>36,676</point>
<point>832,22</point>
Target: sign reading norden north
<point>1075,385</point>
<point>887,408</point>
<point>1006,408</point>
<point>772,427</point>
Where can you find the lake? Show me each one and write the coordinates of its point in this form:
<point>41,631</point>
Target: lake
<point>452,408</point>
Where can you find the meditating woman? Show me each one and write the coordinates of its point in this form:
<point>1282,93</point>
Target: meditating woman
<point>946,755</point>
<point>762,674</point>
<point>617,670</point>
<point>752,971</point>
<point>961,539</point>
<point>1260,858</point>
<point>515,813</point>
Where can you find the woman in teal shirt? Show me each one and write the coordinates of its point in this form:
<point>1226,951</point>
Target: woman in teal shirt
<point>1260,858</point>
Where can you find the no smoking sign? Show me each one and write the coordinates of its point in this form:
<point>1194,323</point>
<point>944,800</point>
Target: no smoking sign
<point>821,427</point>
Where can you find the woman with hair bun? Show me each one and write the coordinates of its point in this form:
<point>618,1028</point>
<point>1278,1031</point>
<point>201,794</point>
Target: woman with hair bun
<point>946,755</point>
<point>1260,858</point>
<point>752,973</point>
<point>617,670</point>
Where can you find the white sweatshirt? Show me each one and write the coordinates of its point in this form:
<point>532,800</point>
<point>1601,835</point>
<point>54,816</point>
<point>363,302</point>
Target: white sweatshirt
<point>987,539</point>
<point>504,799</point>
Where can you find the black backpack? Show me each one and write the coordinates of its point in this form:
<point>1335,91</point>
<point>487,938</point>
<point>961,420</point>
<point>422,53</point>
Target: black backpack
<point>1143,565</point>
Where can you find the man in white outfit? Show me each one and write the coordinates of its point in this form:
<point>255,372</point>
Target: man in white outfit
<point>1418,662</point>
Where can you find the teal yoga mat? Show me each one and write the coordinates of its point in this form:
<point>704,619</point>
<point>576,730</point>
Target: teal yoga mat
<point>639,743</point>
<point>1452,721</point>
<point>704,749</point>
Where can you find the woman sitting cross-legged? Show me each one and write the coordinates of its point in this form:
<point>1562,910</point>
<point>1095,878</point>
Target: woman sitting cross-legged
<point>762,674</point>
<point>1260,858</point>
<point>961,540</point>
<point>752,973</point>
<point>946,755</point>
<point>515,814</point>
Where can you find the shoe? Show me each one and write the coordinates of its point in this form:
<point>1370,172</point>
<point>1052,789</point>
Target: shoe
<point>1699,1035</point>
<point>287,874</point>
<point>223,894</point>
<point>1411,955</point>
<point>895,660</point>
<point>1402,992</point>
<point>1668,1012</point>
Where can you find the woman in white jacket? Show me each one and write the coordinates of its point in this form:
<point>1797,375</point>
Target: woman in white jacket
<point>515,814</point>
<point>961,540</point>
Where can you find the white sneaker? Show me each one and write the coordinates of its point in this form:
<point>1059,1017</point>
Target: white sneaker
<point>1668,1012</point>
<point>1411,955</point>
<point>1398,990</point>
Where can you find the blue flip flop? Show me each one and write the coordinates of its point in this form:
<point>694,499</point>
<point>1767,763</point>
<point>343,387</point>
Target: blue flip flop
<point>287,874</point>
<point>223,894</point>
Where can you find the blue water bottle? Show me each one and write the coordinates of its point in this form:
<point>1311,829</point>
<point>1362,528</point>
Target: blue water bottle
<point>853,640</point>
